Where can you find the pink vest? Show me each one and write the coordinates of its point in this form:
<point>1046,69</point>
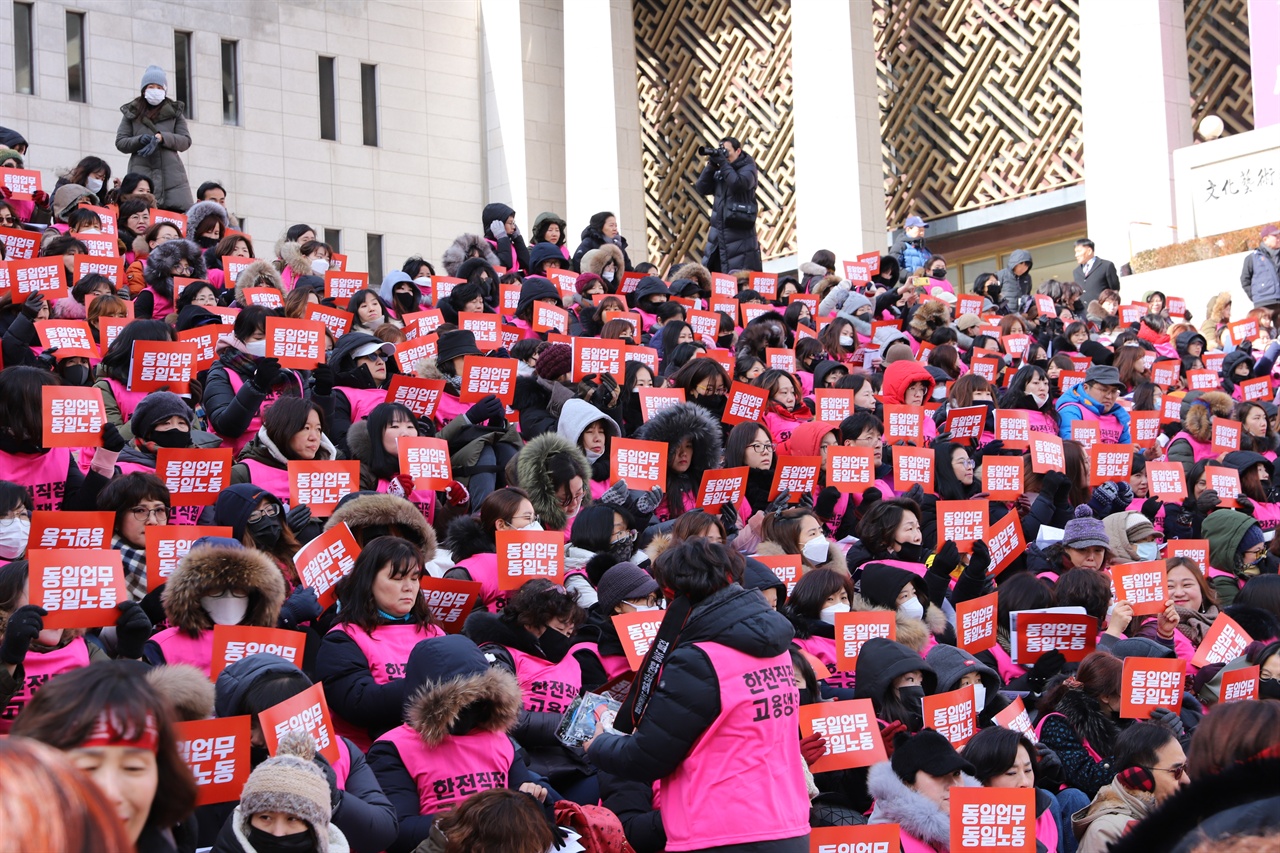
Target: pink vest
<point>456,768</point>
<point>824,649</point>
<point>177,514</point>
<point>484,568</point>
<point>598,488</point>
<point>163,304</point>
<point>1047,830</point>
<point>387,652</point>
<point>1109,429</point>
<point>237,443</point>
<point>425,501</point>
<point>750,746</point>
<point>180,648</point>
<point>342,767</point>
<point>1267,514</point>
<point>362,400</point>
<point>38,668</point>
<point>44,475</point>
<point>1040,422</point>
<point>548,686</point>
<point>1201,450</point>
<point>126,400</point>
<point>274,480</point>
<point>614,665</point>
<point>448,408</point>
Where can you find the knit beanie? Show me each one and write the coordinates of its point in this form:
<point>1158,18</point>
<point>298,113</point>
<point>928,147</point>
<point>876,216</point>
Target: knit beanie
<point>554,361</point>
<point>622,582</point>
<point>1085,531</point>
<point>157,407</point>
<point>290,782</point>
<point>154,74</point>
<point>10,154</point>
<point>1253,537</point>
<point>584,281</point>
<point>854,303</point>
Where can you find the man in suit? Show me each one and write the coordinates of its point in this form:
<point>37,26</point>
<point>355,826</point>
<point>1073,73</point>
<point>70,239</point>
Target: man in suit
<point>1094,274</point>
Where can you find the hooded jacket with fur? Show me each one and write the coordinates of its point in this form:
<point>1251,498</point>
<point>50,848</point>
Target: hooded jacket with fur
<point>670,426</point>
<point>922,826</point>
<point>1197,421</point>
<point>374,514</point>
<point>468,246</point>
<point>258,274</point>
<point>534,473</point>
<point>158,274</point>
<point>1079,718</point>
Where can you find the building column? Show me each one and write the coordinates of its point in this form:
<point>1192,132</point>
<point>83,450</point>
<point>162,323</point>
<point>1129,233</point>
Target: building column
<point>1137,110</point>
<point>1264,55</point>
<point>839,167</point>
<point>504,119</point>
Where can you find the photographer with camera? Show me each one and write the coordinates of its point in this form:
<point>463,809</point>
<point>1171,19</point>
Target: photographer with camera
<point>731,175</point>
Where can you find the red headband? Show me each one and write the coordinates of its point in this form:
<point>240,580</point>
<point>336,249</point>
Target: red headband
<point>108,731</point>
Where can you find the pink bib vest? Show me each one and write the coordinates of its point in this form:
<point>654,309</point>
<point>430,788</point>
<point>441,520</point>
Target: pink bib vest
<point>1040,422</point>
<point>180,648</point>
<point>1005,666</point>
<point>455,769</point>
<point>448,408</point>
<point>751,746</point>
<point>387,652</point>
<point>1267,514</point>
<point>39,667</point>
<point>425,501</point>
<point>163,305</point>
<point>484,568</point>
<point>1201,450</point>
<point>44,475</point>
<point>126,401</point>
<point>274,480</point>
<point>362,400</point>
<point>548,686</point>
<point>1109,429</point>
<point>342,767</point>
<point>237,443</point>
<point>824,649</point>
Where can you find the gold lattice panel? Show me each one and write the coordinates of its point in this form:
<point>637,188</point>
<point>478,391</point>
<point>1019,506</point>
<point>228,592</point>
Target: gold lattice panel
<point>1218,62</point>
<point>979,101</point>
<point>710,69</point>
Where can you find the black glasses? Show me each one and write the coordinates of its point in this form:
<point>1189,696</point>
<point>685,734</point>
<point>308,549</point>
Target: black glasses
<point>1176,771</point>
<point>141,513</point>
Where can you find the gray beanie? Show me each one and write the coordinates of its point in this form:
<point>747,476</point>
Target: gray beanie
<point>1085,531</point>
<point>854,303</point>
<point>624,581</point>
<point>290,782</point>
<point>154,74</point>
<point>157,407</point>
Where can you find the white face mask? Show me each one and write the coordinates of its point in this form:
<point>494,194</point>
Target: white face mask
<point>320,266</point>
<point>154,96</point>
<point>93,185</point>
<point>13,537</point>
<point>979,696</point>
<point>846,341</point>
<point>1040,399</point>
<point>1148,550</point>
<point>258,349</point>
<point>815,550</point>
<point>912,608</point>
<point>645,608</point>
<point>828,614</point>
<point>608,275</point>
<point>225,609</point>
<point>533,525</point>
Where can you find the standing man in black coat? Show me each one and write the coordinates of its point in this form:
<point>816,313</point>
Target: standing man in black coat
<point>1094,274</point>
<point>731,175</point>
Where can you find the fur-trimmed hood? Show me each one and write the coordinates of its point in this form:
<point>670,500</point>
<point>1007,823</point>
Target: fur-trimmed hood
<point>466,537</point>
<point>454,690</point>
<point>202,210</point>
<point>463,247</point>
<point>835,556</point>
<point>67,308</point>
<point>257,274</point>
<point>693,272</point>
<point>188,690</point>
<point>534,475</point>
<point>291,257</point>
<point>163,258</point>
<point>359,444</point>
<point>389,515</point>
<point>810,268</point>
<point>1198,419</point>
<point>210,569</point>
<point>1090,722</point>
<point>597,259</point>
<point>824,285</point>
<point>915,813</point>
<point>929,316</point>
<point>687,419</point>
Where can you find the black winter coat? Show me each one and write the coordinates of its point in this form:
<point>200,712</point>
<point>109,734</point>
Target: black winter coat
<point>730,246</point>
<point>592,239</point>
<point>230,412</point>
<point>351,691</point>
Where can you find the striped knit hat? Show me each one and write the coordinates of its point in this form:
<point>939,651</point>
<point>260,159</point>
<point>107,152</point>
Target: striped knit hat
<point>290,782</point>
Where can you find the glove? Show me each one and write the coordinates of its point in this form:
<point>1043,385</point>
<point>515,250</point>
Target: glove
<point>406,484</point>
<point>1102,499</point>
<point>1054,483</point>
<point>648,501</point>
<point>323,376</point>
<point>1151,508</point>
<point>825,506</point>
<point>1207,502</point>
<point>111,438</point>
<point>6,193</point>
<point>149,147</point>
<point>813,747</point>
<point>48,359</point>
<point>945,561</point>
<point>889,732</point>
<point>1246,505</point>
<point>602,397</point>
<point>806,500</point>
<point>195,389</point>
<point>979,559</point>
<point>488,407</point>
<point>133,629</point>
<point>25,625</point>
<point>1124,497</point>
<point>456,494</point>
<point>779,503</point>
<point>265,376</point>
<point>298,518</point>
<point>497,229</point>
<point>869,498</point>
<point>730,519</point>
<point>915,493</point>
<point>1179,521</point>
<point>991,448</point>
<point>32,306</point>
<point>1048,767</point>
<point>1171,721</point>
<point>1042,670</point>
<point>302,606</point>
<point>41,198</point>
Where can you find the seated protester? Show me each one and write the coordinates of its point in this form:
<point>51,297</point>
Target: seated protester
<point>1003,758</point>
<point>1257,486</point>
<point>1095,399</point>
<point>785,409</point>
<point>591,430</point>
<point>1257,434</point>
<point>827,374</point>
<point>896,679</point>
<point>465,297</point>
<point>455,742</point>
<point>381,616</point>
<point>921,624</point>
<point>1151,767</point>
<point>292,430</point>
<point>812,606</point>
<point>31,654</point>
<point>912,789</point>
<point>601,534</point>
<point>531,638</point>
<point>1237,552</point>
<point>401,292</point>
<point>1084,544</point>
<point>174,259</point>
<point>257,520</point>
<point>583,314</point>
<point>360,380</point>
<point>750,446</point>
<point>865,429</point>
<point>369,312</point>
<point>693,440</point>
<point>1031,391</point>
<point>696,523</point>
<point>623,588</point>
<point>72,307</point>
<point>261,681</point>
<point>956,668</point>
<point>375,443</point>
<point>546,257</point>
<point>113,370</point>
<point>704,382</point>
<point>555,476</point>
<point>500,820</point>
<point>955,479</point>
<point>243,382</point>
<point>233,245</point>
<point>15,521</point>
<point>638,376</point>
<point>219,582</point>
<point>1194,443</point>
<point>1021,591</point>
<point>798,530</point>
<point>890,530</point>
<point>1078,722</point>
<point>472,541</point>
<point>163,420</point>
<point>650,292</point>
<point>534,289</point>
<point>1193,598</point>
<point>139,500</point>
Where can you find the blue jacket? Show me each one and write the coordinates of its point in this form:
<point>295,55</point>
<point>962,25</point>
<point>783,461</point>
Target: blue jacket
<point>1070,407</point>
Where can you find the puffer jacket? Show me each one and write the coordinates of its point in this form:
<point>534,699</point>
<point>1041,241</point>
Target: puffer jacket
<point>1069,407</point>
<point>592,239</point>
<point>730,246</point>
<point>230,412</point>
<point>511,250</point>
<point>467,440</point>
<point>163,169</point>
<point>922,826</point>
<point>1108,817</point>
<point>1014,287</point>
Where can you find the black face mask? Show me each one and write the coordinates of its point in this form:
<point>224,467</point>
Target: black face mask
<point>76,374</point>
<point>909,552</point>
<point>725,341</point>
<point>171,438</point>
<point>265,842</point>
<point>554,645</point>
<point>206,242</point>
<point>806,696</point>
<point>938,273</point>
<point>406,301</point>
<point>1269,688</point>
<point>266,531</point>
<point>912,697</point>
<point>257,755</point>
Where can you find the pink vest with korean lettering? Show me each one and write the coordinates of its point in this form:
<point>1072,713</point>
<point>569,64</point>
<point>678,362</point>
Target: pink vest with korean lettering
<point>548,686</point>
<point>238,442</point>
<point>274,480</point>
<point>163,305</point>
<point>1109,429</point>
<point>455,769</point>
<point>750,746</point>
<point>1267,514</point>
<point>44,475</point>
<point>362,400</point>
<point>39,667</point>
<point>178,647</point>
<point>387,652</point>
<point>177,514</point>
<point>824,649</point>
<point>1040,422</point>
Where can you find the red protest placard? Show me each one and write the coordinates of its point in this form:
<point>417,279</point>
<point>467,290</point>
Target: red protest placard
<point>776,358</point>
<point>643,464</point>
<point>232,266</point>
<point>723,284</point>
<point>327,559</point>
<point>764,283</point>
<point>179,220</point>
<point>337,321</point>
<point>1013,427</point>
<point>167,544</point>
<point>986,366</point>
<point>1167,481</point>
<point>856,271</point>
<point>1014,717</point>
<point>81,587</point>
<point>746,403</point>
<point>99,245</point>
<point>1046,453</point>
<point>320,484</point>
<point>722,357</point>
<point>637,630</point>
<point>409,353</point>
<point>44,275</point>
<point>1006,542</point>
<point>194,475</point>
<point>21,184</point>
<point>548,317</point>
<point>84,265</point>
<point>296,343</point>
<point>795,474</point>
<point>1015,345</point>
<point>968,303</point>
<point>1243,330</point>
<point>421,323</point>
<point>1144,428</point>
<point>1166,373</point>
<point>855,630</point>
<point>751,310</point>
<point>1002,477</point>
<point>952,714</point>
<point>989,819</point>
<point>526,554</point>
<point>308,711</point>
<point>786,567</point>
<point>965,425</point>
<point>1255,389</point>
<point>963,522</point>
<point>1226,435</point>
<point>648,356</point>
<point>339,285</point>
<point>1196,550</point>
<point>912,465</point>
<point>1110,463</point>
<point>1141,584</point>
<point>598,356</point>
<point>851,470</point>
<point>850,729</point>
<point>73,417</point>
<point>976,623</point>
<point>654,400</point>
<point>442,286</point>
<point>1224,642</point>
<point>1239,684</point>
<point>451,601</point>
<point>1224,481</point>
<point>232,643</point>
<point>1086,433</point>
<point>1203,380</point>
<point>19,244</point>
<point>217,753</point>
<point>872,260</point>
<point>482,376</point>
<point>1035,634</point>
<point>703,323</point>
<point>426,460</point>
<point>1150,683</point>
<point>1068,379</point>
<point>156,364</point>
<point>878,838</point>
<point>485,328</point>
<point>63,529</point>
<point>267,297</point>
<point>721,486</point>
<point>833,404</point>
<point>420,396</point>
<point>206,339</point>
<point>903,423</point>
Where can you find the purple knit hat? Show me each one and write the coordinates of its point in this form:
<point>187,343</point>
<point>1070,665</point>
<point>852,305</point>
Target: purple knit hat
<point>1085,531</point>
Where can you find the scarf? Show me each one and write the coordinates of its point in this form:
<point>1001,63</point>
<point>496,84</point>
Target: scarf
<point>135,568</point>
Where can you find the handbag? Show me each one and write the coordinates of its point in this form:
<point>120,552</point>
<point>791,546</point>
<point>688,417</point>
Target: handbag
<point>740,213</point>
